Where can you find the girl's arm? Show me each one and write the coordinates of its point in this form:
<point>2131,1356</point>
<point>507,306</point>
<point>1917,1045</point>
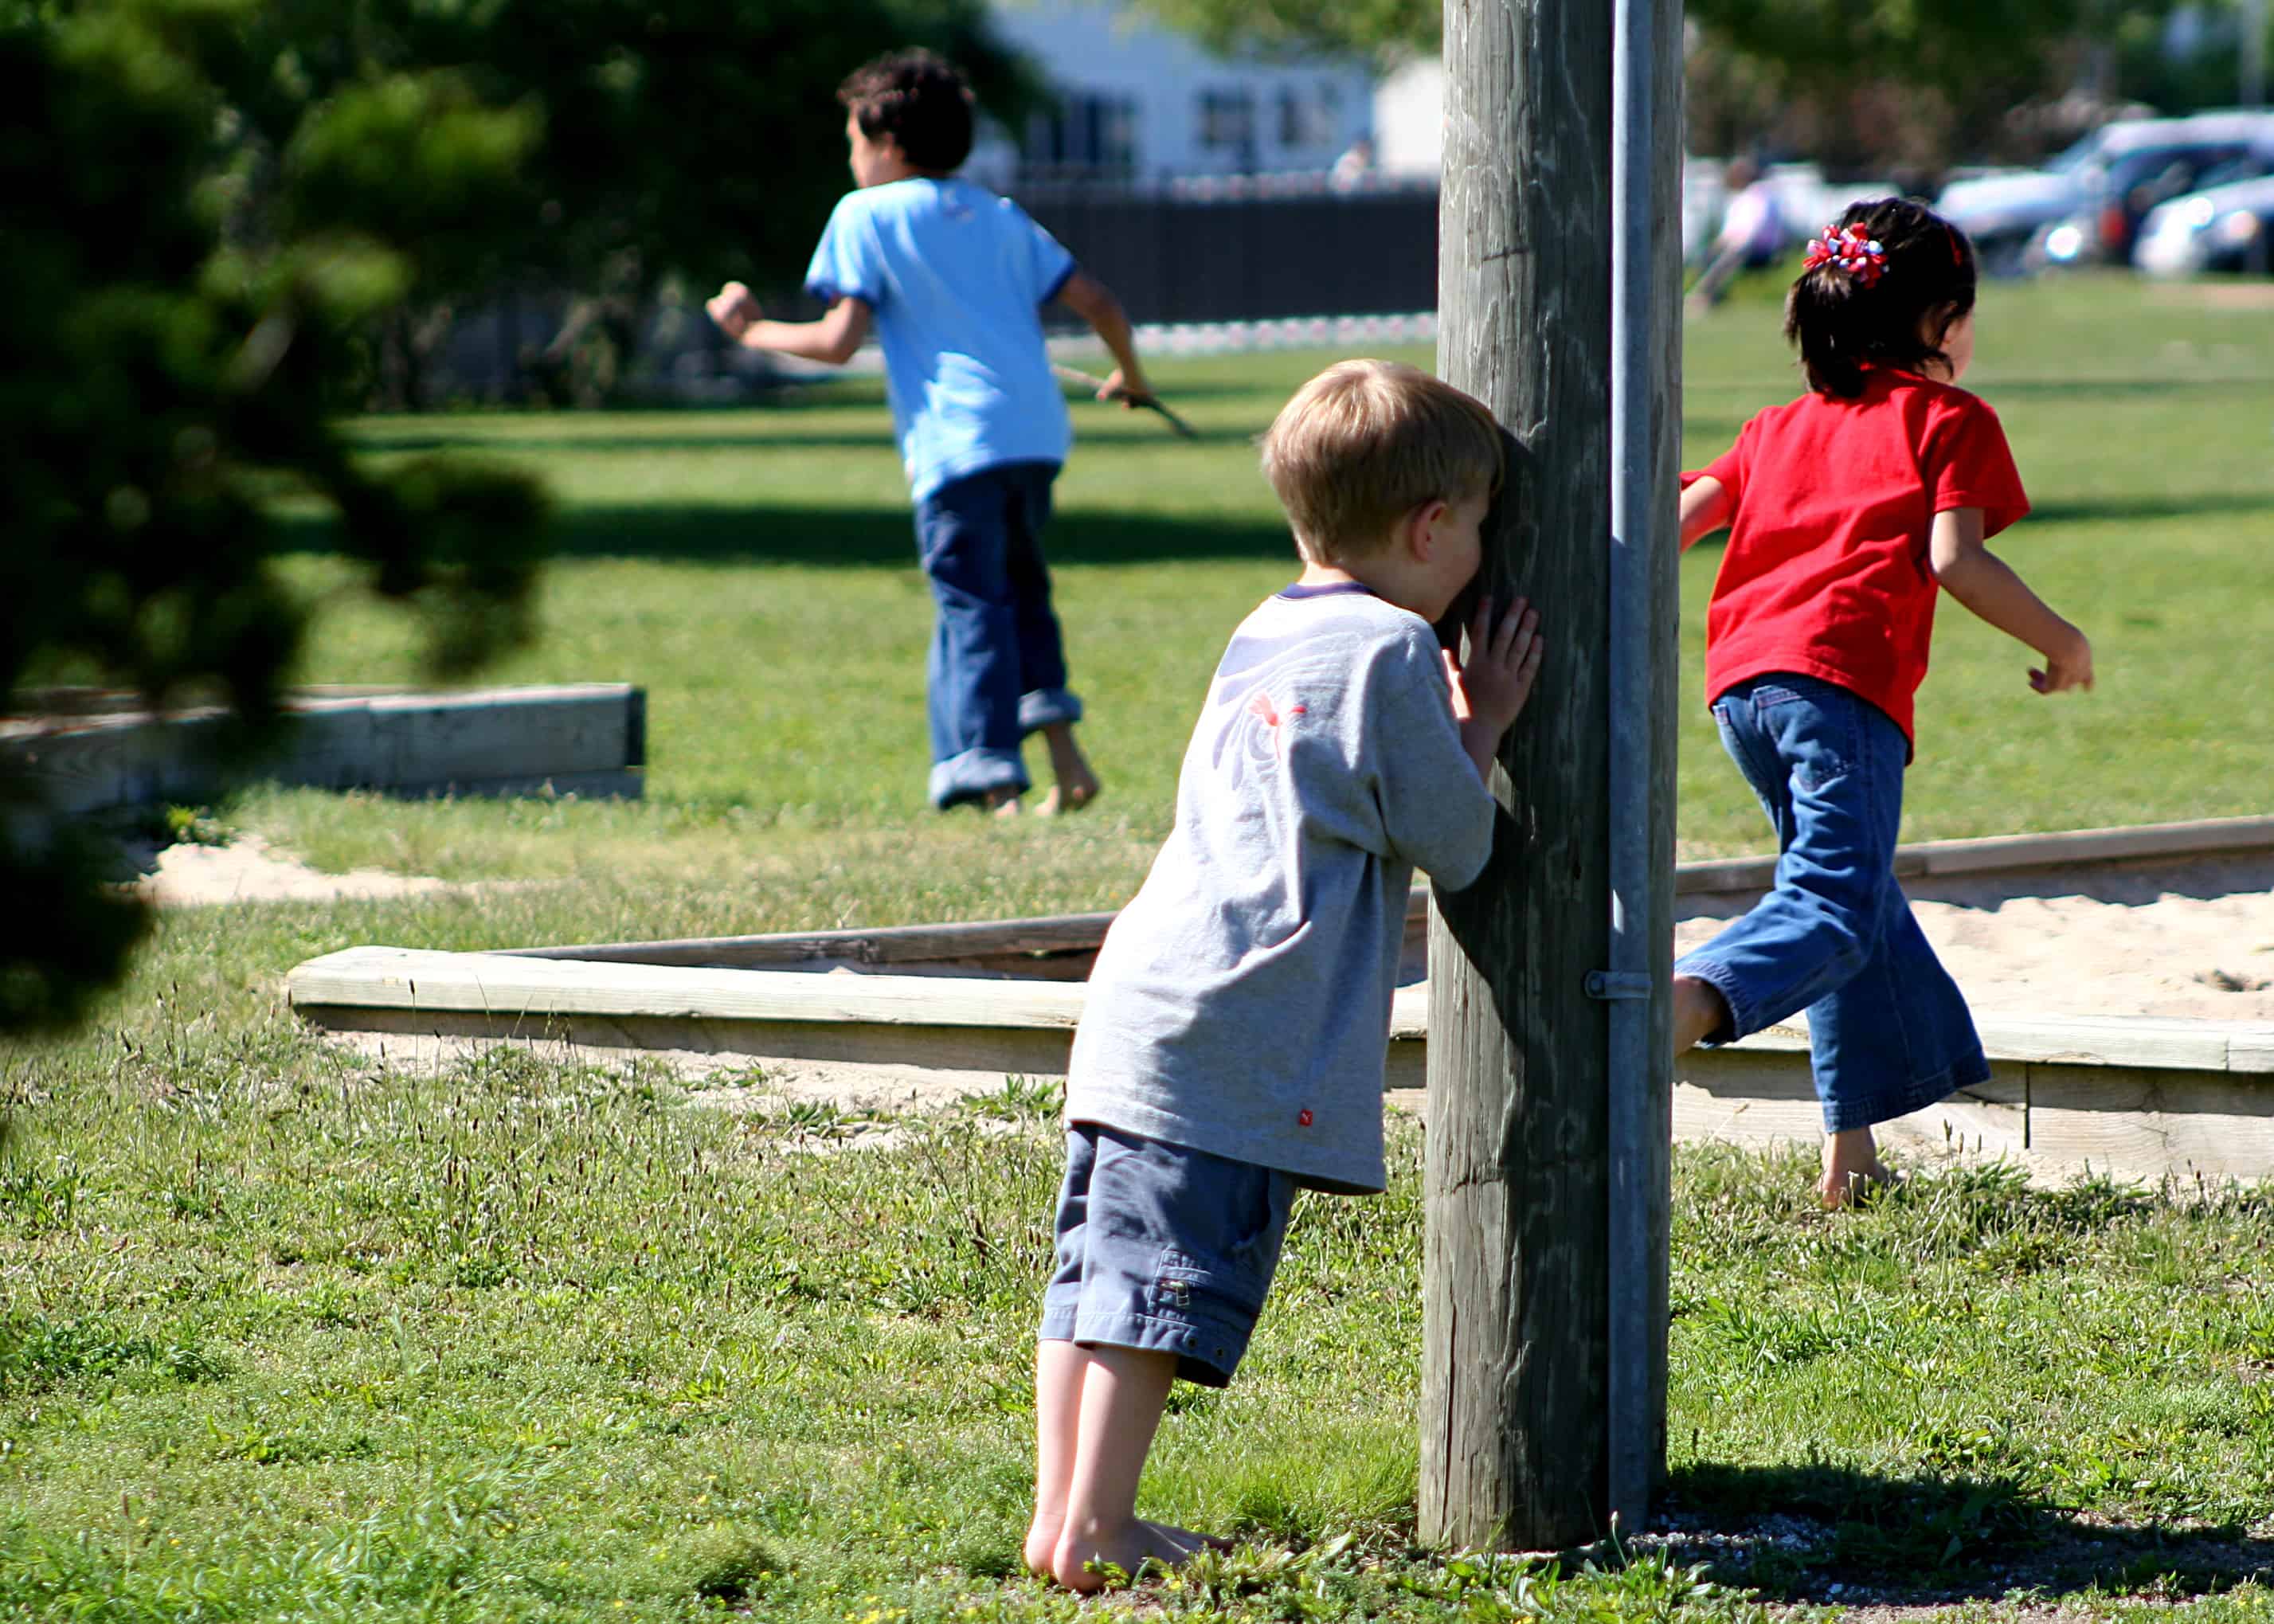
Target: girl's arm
<point>1704,508</point>
<point>1987,585</point>
<point>831,341</point>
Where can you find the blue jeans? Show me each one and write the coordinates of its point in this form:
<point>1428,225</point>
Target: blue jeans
<point>996,671</point>
<point>1889,1031</point>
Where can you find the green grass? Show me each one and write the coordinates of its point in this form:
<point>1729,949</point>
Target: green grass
<point>287,1334</point>
<point>754,570</point>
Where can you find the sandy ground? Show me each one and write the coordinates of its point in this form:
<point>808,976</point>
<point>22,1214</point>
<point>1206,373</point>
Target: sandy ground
<point>2193,940</point>
<point>2188,939</point>
<point>248,869</point>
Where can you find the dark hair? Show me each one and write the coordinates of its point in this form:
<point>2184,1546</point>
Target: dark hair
<point>1842,320</point>
<point>921,101</point>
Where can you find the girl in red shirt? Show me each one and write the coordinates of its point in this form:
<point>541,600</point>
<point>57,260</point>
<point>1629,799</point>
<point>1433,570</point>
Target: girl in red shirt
<point>1848,510</point>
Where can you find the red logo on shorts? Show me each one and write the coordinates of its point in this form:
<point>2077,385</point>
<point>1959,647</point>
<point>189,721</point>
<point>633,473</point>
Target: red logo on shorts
<point>1303,1117</point>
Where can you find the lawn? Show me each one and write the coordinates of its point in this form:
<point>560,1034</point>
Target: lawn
<point>287,1334</point>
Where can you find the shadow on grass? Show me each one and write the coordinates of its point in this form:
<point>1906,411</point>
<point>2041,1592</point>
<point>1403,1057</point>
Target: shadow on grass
<point>2099,387</point>
<point>1092,428</point>
<point>849,537</point>
<point>2195,505</point>
<point>1800,1531</point>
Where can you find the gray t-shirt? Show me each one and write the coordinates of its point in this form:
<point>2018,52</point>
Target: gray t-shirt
<point>1240,1003</point>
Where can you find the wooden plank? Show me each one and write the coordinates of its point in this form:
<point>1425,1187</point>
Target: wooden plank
<point>493,733</point>
<point>2200,838</point>
<point>1011,1051</point>
<point>2138,1123</point>
<point>1056,934</point>
<point>401,978</point>
<point>2108,1040</point>
<point>1079,932</point>
<point>1767,1100</point>
<point>2017,854</point>
<point>581,737</point>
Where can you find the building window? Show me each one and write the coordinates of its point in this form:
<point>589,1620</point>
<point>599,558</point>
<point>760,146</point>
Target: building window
<point>1310,117</point>
<point>1227,120</point>
<point>1084,137</point>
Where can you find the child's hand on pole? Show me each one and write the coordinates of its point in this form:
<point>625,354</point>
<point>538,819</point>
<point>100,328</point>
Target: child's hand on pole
<point>734,309</point>
<point>1492,686</point>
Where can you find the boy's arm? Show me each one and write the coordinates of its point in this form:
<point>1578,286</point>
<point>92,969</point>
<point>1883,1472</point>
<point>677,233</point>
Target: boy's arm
<point>1704,508</point>
<point>1094,302</point>
<point>831,341</point>
<point>1981,581</point>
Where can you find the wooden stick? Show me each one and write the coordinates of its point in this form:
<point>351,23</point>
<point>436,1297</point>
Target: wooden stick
<point>1150,402</point>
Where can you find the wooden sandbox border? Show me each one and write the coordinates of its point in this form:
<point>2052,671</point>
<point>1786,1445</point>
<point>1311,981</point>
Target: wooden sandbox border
<point>92,751</point>
<point>2136,1098</point>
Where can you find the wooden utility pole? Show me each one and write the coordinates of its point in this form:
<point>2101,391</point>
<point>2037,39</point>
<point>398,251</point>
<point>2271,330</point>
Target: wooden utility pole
<point>1543,1380</point>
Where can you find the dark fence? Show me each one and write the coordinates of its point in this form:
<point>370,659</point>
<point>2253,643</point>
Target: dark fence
<point>1254,248</point>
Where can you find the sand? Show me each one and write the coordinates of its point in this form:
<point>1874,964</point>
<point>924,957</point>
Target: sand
<point>2192,939</point>
<point>248,869</point>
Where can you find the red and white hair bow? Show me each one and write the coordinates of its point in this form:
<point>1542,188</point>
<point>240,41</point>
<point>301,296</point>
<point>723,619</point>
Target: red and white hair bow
<point>1853,249</point>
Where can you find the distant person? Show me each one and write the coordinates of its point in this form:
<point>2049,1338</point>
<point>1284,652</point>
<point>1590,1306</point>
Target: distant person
<point>1751,236</point>
<point>954,278</point>
<point>1849,509</point>
<point>1230,1050</point>
<point>1355,167</point>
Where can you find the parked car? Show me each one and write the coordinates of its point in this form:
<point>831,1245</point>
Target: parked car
<point>2103,232</point>
<point>2228,227</point>
<point>2005,211</point>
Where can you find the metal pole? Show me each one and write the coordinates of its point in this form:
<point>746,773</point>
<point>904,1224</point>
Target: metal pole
<point>1638,513</point>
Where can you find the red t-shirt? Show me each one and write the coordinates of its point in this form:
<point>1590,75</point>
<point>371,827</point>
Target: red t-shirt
<point>1832,502</point>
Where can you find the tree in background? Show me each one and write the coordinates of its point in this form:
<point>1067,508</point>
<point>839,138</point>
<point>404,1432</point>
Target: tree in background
<point>696,139</point>
<point>1907,85</point>
<point>221,211</point>
<point>168,360</point>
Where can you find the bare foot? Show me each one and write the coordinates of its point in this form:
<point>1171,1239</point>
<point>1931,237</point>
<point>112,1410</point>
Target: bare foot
<point>1077,782</point>
<point>1000,802</point>
<point>1061,797</point>
<point>1080,1564</point>
<point>1853,1172</point>
<point>1041,1542</point>
<point>1698,1012</point>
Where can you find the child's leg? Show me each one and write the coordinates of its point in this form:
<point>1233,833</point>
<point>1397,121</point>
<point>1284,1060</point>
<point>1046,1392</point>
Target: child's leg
<point>972,668</point>
<point>1045,704</point>
<point>1123,1393</point>
<point>1059,1369</point>
<point>1825,765</point>
<point>1164,1254</point>
<point>1895,1039</point>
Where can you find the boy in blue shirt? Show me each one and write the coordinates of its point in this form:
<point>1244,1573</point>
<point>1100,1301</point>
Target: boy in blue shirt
<point>954,278</point>
<point>1231,1043</point>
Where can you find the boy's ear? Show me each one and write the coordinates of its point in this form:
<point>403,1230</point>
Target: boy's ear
<point>1421,524</point>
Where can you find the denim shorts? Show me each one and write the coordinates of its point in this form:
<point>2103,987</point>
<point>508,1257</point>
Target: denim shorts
<point>1164,1248</point>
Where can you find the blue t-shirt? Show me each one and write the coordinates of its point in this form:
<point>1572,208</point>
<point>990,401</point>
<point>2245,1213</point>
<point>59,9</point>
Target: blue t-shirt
<point>957,277</point>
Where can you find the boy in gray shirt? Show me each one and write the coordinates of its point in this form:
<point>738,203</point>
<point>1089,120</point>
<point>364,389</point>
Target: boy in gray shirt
<point>1231,1046</point>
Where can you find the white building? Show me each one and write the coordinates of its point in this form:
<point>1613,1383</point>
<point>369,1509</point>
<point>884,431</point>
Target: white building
<point>1138,102</point>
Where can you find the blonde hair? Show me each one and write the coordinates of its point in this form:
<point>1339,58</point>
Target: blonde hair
<point>1364,443</point>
